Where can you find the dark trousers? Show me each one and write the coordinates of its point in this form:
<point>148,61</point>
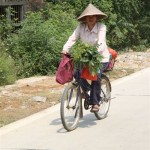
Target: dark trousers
<point>94,87</point>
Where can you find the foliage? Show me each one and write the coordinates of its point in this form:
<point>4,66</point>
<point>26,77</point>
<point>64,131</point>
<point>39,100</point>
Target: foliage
<point>85,54</point>
<point>125,32</point>
<point>7,67</point>
<point>6,27</point>
<point>127,23</point>
<point>37,46</point>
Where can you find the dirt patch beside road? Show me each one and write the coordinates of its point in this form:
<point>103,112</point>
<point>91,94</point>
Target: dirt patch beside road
<point>23,98</point>
<point>31,95</point>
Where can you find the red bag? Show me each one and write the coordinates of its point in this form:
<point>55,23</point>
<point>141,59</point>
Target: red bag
<point>65,70</point>
<point>112,59</point>
<point>87,75</point>
<point>113,53</point>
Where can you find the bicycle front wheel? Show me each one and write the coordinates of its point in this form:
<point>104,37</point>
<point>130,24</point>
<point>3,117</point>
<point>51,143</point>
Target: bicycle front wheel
<point>70,109</point>
<point>105,95</point>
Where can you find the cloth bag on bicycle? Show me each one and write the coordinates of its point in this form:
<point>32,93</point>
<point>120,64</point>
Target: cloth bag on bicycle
<point>113,56</point>
<point>65,70</point>
<point>85,74</point>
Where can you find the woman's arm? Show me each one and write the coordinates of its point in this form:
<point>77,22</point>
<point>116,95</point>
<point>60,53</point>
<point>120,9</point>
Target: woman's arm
<point>102,38</point>
<point>71,41</point>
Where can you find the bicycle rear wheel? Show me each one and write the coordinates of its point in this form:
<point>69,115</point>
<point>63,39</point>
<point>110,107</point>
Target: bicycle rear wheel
<point>70,109</point>
<point>105,98</point>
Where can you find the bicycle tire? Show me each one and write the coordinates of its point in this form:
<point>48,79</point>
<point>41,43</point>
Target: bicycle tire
<point>70,108</point>
<point>105,98</point>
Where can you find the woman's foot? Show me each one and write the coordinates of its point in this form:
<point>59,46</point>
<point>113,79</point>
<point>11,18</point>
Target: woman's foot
<point>95,108</point>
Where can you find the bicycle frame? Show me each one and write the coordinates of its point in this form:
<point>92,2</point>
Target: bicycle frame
<point>72,103</point>
<point>80,88</point>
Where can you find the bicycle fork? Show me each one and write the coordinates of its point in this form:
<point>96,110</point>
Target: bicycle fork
<point>80,106</point>
<point>75,106</point>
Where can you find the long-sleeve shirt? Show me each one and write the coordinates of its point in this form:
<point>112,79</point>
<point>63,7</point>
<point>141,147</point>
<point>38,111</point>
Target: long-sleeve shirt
<point>96,36</point>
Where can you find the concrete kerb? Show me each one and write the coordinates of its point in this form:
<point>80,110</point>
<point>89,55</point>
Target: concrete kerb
<point>48,111</point>
<point>29,119</point>
<point>126,78</point>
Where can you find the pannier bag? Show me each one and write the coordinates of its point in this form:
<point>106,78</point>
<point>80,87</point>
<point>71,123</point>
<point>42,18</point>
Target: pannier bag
<point>113,56</point>
<point>113,53</point>
<point>65,70</point>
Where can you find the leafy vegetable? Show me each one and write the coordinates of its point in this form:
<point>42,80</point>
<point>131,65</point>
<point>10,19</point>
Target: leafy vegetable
<point>85,54</point>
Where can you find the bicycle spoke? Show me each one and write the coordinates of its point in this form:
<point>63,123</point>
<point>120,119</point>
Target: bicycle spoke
<point>105,98</point>
<point>70,108</point>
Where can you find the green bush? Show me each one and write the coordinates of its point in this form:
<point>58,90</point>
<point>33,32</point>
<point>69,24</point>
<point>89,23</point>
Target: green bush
<point>7,67</point>
<point>37,46</point>
<point>6,27</point>
<point>127,23</point>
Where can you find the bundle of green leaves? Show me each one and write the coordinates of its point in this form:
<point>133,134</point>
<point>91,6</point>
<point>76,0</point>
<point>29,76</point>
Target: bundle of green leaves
<point>87,55</point>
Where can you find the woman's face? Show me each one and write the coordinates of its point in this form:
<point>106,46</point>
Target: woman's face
<point>91,20</point>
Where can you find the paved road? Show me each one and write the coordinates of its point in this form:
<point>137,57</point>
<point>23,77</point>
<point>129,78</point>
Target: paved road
<point>126,128</point>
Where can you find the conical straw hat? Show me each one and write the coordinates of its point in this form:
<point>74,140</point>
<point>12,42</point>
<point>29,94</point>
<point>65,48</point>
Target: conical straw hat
<point>92,10</point>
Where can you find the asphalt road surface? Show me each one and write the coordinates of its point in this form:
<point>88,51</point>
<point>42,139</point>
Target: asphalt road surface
<point>127,126</point>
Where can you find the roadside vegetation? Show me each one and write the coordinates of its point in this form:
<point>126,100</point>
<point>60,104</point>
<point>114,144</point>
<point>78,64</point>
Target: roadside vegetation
<point>34,48</point>
<point>7,67</point>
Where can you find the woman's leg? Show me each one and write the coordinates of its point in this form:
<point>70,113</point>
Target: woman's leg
<point>85,85</point>
<point>95,87</point>
<point>95,92</point>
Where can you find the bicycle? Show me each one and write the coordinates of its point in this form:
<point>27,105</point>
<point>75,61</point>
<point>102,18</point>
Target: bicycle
<point>71,108</point>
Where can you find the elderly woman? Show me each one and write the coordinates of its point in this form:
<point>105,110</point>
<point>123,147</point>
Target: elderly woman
<point>91,31</point>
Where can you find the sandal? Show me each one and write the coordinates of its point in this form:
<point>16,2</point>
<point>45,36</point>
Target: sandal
<point>95,108</point>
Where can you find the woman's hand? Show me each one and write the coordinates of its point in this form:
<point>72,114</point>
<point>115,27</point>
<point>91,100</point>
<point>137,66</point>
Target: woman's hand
<point>65,52</point>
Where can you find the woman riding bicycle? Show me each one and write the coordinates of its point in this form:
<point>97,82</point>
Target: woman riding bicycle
<point>91,31</point>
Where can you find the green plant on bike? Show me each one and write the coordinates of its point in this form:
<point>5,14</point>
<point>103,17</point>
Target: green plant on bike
<point>85,54</point>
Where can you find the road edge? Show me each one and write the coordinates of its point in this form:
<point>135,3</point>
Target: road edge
<point>22,122</point>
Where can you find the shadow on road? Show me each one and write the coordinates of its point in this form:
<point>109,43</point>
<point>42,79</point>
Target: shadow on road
<point>86,122</point>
